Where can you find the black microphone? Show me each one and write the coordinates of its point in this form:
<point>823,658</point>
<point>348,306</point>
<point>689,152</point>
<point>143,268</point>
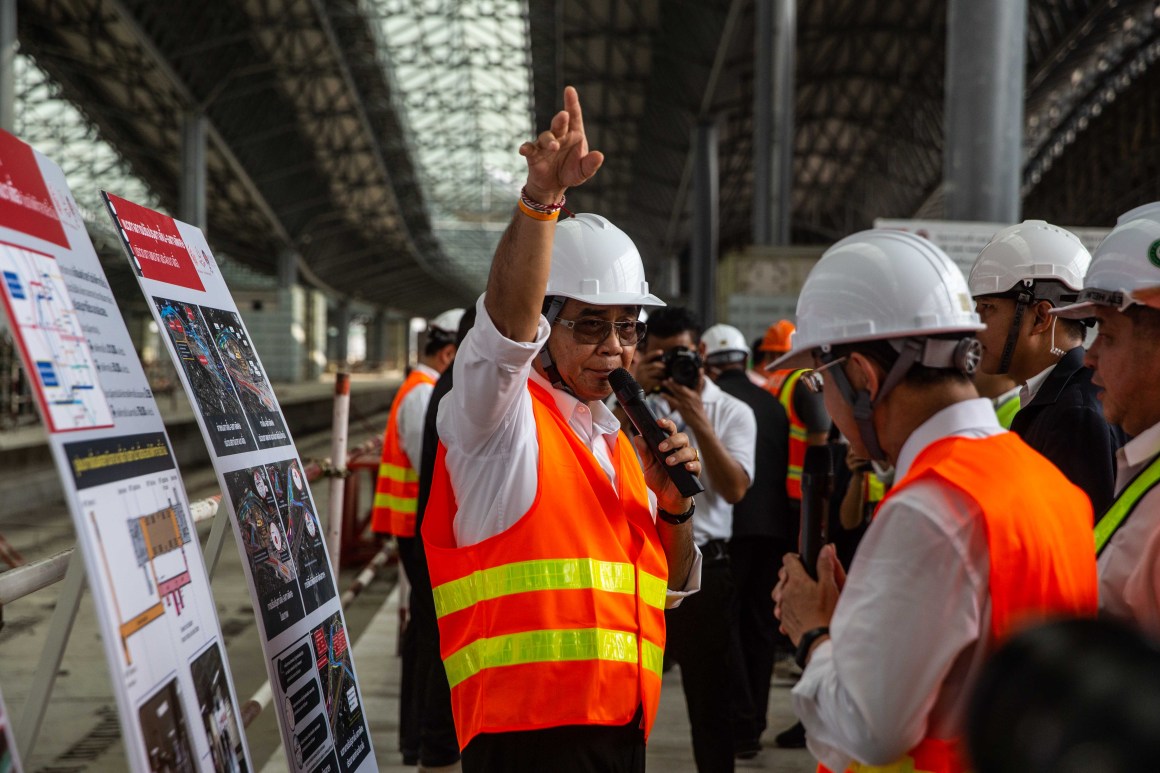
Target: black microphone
<point>631,398</point>
<point>817,480</point>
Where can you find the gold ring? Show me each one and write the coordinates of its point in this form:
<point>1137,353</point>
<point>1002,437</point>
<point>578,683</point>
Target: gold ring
<point>696,454</point>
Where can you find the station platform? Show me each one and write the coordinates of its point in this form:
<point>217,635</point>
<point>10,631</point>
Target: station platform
<point>669,748</point>
<point>28,478</point>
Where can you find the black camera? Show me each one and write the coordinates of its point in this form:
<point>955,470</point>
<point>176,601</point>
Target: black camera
<point>683,365</point>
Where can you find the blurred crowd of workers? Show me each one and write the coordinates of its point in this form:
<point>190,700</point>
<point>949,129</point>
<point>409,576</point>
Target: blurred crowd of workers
<point>993,487</point>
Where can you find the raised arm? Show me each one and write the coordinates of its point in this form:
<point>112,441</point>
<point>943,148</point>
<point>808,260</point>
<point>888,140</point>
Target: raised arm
<point>558,159</point>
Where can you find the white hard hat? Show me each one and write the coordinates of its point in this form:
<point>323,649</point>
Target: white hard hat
<point>448,321</point>
<point>595,262</point>
<point>1125,267</point>
<point>880,284</point>
<point>723,340</point>
<point>1028,252</point>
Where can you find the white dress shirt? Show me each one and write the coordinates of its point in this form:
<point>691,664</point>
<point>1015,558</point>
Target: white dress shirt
<point>910,629</point>
<point>735,425</point>
<point>1028,391</point>
<point>487,424</point>
<point>411,415</point>
<point>1129,567</point>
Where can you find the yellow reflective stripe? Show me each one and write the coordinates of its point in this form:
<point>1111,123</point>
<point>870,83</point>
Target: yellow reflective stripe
<point>904,765</point>
<point>785,394</point>
<point>794,472</point>
<point>653,590</point>
<point>400,474</point>
<point>524,576</point>
<point>652,657</point>
<point>1125,503</point>
<point>399,504</point>
<point>875,488</point>
<point>540,647</point>
<point>1006,412</point>
<point>798,433</point>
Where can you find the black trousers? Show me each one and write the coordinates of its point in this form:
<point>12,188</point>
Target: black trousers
<point>426,725</point>
<point>569,749</point>
<point>755,562</point>
<point>698,640</point>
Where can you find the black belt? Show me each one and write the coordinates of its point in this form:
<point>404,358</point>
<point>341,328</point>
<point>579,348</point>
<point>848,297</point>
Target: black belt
<point>714,550</point>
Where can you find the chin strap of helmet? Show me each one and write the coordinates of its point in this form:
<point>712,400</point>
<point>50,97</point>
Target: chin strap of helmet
<point>963,355</point>
<point>555,306</point>
<point>1023,298</point>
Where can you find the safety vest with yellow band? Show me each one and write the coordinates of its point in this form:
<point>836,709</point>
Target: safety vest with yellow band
<point>781,384</point>
<point>1039,550</point>
<point>397,487</point>
<point>1115,516</point>
<point>1006,410</point>
<point>559,620</point>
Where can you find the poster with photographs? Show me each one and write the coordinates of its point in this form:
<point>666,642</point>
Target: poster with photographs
<point>143,564</point>
<point>275,519</point>
<point>317,686</point>
<point>221,723</point>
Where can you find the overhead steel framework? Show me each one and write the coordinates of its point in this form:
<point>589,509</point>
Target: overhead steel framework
<point>375,139</point>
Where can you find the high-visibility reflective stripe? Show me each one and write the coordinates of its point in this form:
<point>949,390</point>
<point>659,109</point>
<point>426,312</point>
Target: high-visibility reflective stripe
<point>904,765</point>
<point>798,433</point>
<point>540,647</point>
<point>653,590</point>
<point>399,504</point>
<point>875,488</point>
<point>1115,515</point>
<point>524,576</point>
<point>400,474</point>
<point>652,657</point>
<point>794,471</point>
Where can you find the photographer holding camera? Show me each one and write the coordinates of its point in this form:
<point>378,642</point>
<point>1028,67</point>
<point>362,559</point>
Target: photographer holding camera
<point>723,431</point>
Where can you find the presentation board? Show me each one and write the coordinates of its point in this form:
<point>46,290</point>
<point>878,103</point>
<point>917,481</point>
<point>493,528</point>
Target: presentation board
<point>157,618</point>
<point>275,518</point>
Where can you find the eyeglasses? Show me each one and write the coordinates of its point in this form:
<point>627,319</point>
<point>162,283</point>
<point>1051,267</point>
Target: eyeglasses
<point>593,330</point>
<point>813,378</point>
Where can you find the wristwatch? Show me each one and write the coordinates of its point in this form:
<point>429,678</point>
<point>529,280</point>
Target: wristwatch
<point>679,518</point>
<point>806,642</point>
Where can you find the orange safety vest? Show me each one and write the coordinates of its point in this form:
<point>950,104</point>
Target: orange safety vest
<point>397,487</point>
<point>1039,542</point>
<point>781,385</point>
<point>559,620</point>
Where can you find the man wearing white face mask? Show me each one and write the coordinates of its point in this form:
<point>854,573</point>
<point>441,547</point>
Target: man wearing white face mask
<point>1024,272</point>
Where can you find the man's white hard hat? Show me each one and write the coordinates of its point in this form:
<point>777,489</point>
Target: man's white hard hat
<point>448,321</point>
<point>1125,268</point>
<point>1030,251</point>
<point>595,262</point>
<point>723,340</point>
<point>880,284</point>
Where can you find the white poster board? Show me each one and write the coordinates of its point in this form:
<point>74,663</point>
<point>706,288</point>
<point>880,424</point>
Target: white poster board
<point>275,519</point>
<point>143,563</point>
<point>964,240</point>
<point>9,758</point>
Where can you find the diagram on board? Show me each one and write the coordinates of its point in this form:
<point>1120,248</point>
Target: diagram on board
<point>273,570</point>
<point>47,328</point>
<point>138,520</point>
<point>250,382</point>
<point>303,532</point>
<point>344,711</point>
<point>209,381</point>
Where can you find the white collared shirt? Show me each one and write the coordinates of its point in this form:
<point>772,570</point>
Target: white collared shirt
<point>1129,567</point>
<point>1028,391</point>
<point>412,414</point>
<point>734,424</point>
<point>909,632</point>
<point>488,427</point>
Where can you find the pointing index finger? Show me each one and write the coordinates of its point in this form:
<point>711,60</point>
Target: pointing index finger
<point>572,105</point>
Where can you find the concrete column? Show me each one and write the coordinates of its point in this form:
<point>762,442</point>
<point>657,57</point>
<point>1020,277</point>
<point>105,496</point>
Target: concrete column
<point>191,205</point>
<point>703,252</point>
<point>983,158</point>
<point>775,42</point>
<point>377,340</point>
<point>342,324</point>
<point>8,65</point>
<point>287,268</point>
